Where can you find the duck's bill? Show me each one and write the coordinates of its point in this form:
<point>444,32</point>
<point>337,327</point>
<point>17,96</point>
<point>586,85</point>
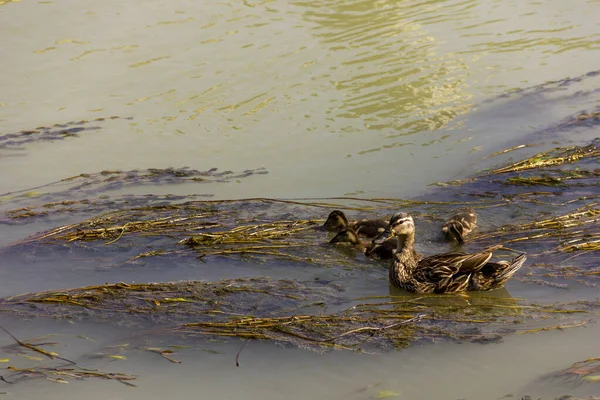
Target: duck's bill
<point>383,236</point>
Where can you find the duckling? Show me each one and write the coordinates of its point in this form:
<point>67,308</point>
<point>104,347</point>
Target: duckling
<point>383,251</point>
<point>460,225</point>
<point>369,228</point>
<point>443,273</point>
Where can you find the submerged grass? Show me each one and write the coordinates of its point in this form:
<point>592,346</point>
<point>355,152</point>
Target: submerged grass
<point>56,374</point>
<point>554,157</point>
<point>575,228</point>
<point>252,233</point>
<point>276,310</point>
<point>61,374</point>
<point>558,178</point>
<point>585,371</point>
<point>51,133</point>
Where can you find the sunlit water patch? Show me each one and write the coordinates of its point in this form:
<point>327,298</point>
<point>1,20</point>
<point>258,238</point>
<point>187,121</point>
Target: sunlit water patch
<point>331,97</point>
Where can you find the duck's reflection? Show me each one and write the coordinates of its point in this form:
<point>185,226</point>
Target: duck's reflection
<point>485,302</point>
<point>468,316</point>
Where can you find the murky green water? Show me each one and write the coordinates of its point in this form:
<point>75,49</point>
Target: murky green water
<point>332,98</point>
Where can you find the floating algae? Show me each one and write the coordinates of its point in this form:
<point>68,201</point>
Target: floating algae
<point>283,311</point>
<point>572,226</point>
<point>50,133</point>
<point>558,85</point>
<point>580,378</point>
<point>562,178</point>
<point>557,156</point>
<point>552,223</point>
<point>58,373</point>
<point>278,311</point>
<point>68,208</point>
<point>582,371</point>
<point>85,185</point>
<point>168,302</point>
<point>62,374</point>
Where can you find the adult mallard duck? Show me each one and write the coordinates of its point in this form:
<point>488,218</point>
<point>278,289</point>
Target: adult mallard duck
<point>460,225</point>
<point>383,251</point>
<point>443,273</point>
<point>370,228</point>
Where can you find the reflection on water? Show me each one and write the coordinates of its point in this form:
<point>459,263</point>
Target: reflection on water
<point>398,79</point>
<point>331,97</point>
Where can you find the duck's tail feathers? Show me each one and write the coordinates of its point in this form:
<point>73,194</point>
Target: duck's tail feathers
<point>512,266</point>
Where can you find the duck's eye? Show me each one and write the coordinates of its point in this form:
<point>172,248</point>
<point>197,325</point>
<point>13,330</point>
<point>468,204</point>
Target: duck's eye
<point>400,222</point>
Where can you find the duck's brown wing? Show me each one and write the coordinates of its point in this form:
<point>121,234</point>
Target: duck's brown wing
<point>495,274</point>
<point>429,272</point>
<point>459,283</point>
<point>445,276</point>
<point>469,262</point>
<point>451,272</point>
<point>459,262</point>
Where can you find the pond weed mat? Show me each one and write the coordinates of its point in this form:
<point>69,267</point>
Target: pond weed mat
<point>549,210</point>
<point>296,313</point>
<point>551,201</point>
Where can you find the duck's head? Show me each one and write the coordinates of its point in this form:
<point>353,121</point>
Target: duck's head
<point>346,235</point>
<point>401,225</point>
<point>336,221</point>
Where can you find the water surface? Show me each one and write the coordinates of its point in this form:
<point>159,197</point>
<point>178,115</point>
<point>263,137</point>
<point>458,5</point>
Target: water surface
<point>362,98</point>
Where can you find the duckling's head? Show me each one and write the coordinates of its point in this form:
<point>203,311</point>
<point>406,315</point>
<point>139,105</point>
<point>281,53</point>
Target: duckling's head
<point>346,235</point>
<point>335,221</point>
<point>401,225</point>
